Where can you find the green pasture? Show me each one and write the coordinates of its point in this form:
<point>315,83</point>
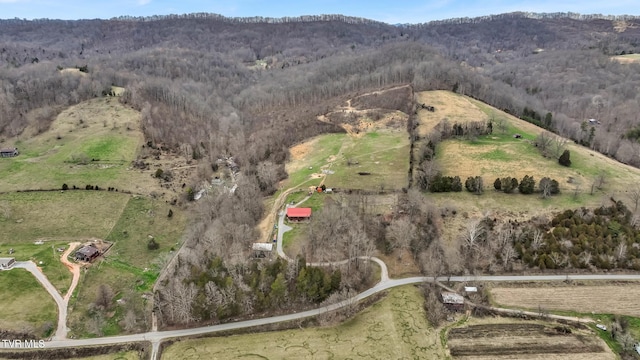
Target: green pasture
<point>29,308</point>
<point>393,328</point>
<point>383,155</point>
<point>77,150</point>
<point>73,214</point>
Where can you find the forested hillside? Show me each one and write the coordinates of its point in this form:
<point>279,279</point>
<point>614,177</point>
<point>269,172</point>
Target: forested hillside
<point>211,87</point>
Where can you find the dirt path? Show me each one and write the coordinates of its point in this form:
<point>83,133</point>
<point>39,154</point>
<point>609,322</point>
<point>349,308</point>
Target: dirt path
<point>265,224</point>
<point>74,268</point>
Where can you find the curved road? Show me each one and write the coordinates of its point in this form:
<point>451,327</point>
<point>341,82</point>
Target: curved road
<point>158,336</point>
<point>30,266</point>
<point>155,337</point>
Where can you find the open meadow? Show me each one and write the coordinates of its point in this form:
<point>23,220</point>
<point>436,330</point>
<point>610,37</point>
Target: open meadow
<point>68,215</point>
<point>501,154</point>
<point>392,328</point>
<point>603,299</point>
<point>26,307</point>
<point>91,143</point>
<point>130,268</point>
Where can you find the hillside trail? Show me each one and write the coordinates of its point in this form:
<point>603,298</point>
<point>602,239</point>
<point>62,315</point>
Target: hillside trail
<point>74,268</point>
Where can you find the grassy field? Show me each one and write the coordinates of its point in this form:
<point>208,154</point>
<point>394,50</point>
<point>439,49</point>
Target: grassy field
<point>308,157</point>
<point>47,259</point>
<point>129,355</point>
<point>394,328</point>
<point>382,154</point>
<point>605,299</point>
<point>140,219</point>
<point>129,268</point>
<point>449,106</point>
<point>101,129</point>
<point>500,155</point>
<point>25,304</point>
<point>27,217</point>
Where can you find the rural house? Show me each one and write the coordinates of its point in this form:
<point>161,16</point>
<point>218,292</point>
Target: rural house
<point>7,263</point>
<point>452,301</point>
<point>298,214</point>
<point>9,152</point>
<point>261,250</point>
<point>87,253</point>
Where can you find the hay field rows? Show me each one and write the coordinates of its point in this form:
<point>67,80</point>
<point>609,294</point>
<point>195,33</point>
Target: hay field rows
<point>605,299</point>
<point>393,328</point>
<point>524,340</point>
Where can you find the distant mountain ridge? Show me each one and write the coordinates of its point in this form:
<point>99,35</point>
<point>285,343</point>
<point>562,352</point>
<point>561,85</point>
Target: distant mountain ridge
<point>350,19</point>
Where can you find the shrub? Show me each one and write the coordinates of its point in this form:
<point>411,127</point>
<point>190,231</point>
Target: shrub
<point>65,187</point>
<point>170,213</point>
<point>474,184</point>
<point>564,159</point>
<point>527,185</point>
<point>497,184</point>
<point>159,173</point>
<point>152,244</point>
<point>507,184</point>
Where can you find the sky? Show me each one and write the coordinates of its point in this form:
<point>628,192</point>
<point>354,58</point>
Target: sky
<point>392,12</point>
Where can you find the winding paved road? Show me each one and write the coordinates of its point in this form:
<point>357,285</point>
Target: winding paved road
<point>155,337</point>
<point>30,266</point>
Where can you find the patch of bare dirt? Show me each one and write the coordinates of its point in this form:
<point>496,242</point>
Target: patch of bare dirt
<point>73,267</point>
<point>525,340</point>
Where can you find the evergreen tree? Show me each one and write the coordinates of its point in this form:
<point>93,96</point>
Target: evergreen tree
<point>527,185</point>
<point>497,184</point>
<point>564,159</point>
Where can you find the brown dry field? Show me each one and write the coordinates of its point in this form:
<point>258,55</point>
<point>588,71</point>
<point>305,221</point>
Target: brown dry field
<point>500,338</point>
<point>298,153</point>
<point>627,59</point>
<point>606,299</point>
<point>448,106</point>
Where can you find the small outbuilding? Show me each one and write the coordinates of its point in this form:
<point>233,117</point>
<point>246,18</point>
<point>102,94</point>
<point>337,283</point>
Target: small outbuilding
<point>87,253</point>
<point>7,263</point>
<point>11,152</point>
<point>261,250</point>
<point>298,214</point>
<point>452,301</point>
<point>470,289</point>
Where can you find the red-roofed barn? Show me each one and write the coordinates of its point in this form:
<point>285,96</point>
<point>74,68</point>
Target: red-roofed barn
<point>298,214</point>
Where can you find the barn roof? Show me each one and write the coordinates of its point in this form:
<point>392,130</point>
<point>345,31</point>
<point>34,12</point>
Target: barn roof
<point>299,212</point>
<point>87,251</point>
<point>262,247</point>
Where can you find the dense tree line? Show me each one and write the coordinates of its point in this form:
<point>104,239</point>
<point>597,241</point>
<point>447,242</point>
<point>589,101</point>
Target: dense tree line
<point>603,238</point>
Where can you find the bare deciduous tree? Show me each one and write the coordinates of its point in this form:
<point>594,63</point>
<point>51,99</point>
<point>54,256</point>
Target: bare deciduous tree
<point>402,232</point>
<point>635,197</point>
<point>473,234</point>
<point>544,143</point>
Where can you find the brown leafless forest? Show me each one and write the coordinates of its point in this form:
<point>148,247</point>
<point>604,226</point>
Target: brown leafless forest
<point>250,88</point>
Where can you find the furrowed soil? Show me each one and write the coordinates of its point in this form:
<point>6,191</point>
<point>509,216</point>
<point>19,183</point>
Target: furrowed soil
<point>608,299</point>
<point>524,340</point>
